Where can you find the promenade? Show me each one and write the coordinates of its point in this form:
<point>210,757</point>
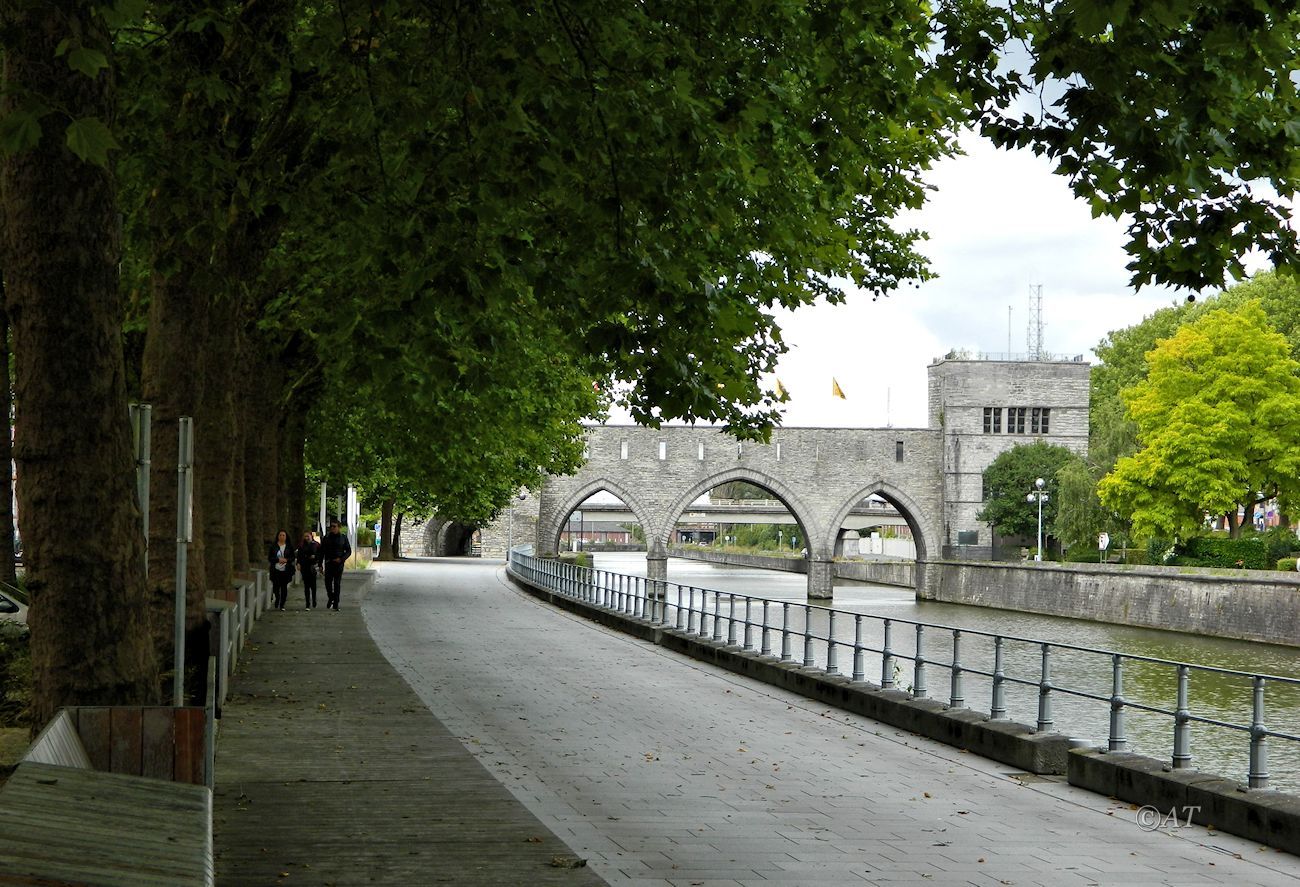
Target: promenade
<point>331,772</point>
<point>655,769</point>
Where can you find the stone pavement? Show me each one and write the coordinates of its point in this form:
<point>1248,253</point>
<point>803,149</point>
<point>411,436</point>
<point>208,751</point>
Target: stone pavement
<point>331,772</point>
<point>660,770</point>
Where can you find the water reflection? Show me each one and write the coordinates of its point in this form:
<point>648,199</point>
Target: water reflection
<point>1212,695</point>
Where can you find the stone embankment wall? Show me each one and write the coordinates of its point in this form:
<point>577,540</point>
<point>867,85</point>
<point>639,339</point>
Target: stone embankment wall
<point>902,573</point>
<point>1252,605</point>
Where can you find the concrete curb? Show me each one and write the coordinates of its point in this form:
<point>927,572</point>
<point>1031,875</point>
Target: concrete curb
<point>1011,743</point>
<point>1180,796</point>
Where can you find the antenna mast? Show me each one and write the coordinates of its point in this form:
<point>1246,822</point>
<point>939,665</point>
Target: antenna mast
<point>1034,334</point>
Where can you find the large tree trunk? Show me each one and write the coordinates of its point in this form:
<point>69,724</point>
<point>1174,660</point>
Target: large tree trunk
<point>294,469</point>
<point>397,535</point>
<point>216,467</point>
<point>172,380</point>
<point>90,632</point>
<point>8,572</point>
<point>262,451</point>
<point>387,552</point>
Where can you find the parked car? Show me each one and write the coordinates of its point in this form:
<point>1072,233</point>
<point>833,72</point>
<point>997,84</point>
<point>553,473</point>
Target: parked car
<point>11,609</point>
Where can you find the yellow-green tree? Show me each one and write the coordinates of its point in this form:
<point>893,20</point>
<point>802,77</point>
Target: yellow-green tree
<point>1216,425</point>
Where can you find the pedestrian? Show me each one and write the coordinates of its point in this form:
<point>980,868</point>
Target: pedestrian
<point>334,551</point>
<point>280,558</point>
<point>309,566</point>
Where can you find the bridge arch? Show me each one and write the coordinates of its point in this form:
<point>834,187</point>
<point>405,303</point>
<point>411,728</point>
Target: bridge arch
<point>797,508</point>
<point>908,508</point>
<point>549,534</point>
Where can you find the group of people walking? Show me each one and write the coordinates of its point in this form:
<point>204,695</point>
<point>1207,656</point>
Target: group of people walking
<point>310,557</point>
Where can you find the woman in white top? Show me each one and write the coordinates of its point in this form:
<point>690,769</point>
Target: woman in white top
<point>280,561</point>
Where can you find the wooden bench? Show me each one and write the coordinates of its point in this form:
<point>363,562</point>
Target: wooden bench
<point>111,796</point>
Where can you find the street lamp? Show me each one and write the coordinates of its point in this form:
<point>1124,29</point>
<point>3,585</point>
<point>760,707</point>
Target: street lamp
<point>1042,497</point>
<point>510,527</point>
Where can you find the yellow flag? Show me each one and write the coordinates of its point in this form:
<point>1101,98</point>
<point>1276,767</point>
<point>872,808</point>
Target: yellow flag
<point>780,389</point>
<point>836,390</point>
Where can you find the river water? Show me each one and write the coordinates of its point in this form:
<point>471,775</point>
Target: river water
<point>1211,695</point>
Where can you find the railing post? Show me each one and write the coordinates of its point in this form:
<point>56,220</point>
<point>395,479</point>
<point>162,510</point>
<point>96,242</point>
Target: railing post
<point>767,634</point>
<point>1117,740</point>
<point>858,673</point>
<point>887,658</point>
<point>786,655</point>
<point>1045,692</point>
<point>678,621</point>
<point>807,636</point>
<point>1182,724</point>
<point>717,616</point>
<point>731,621</point>
<point>919,689</point>
<point>749,625</point>
<point>998,710</point>
<point>1258,777</point>
<point>832,660</point>
<point>956,698</point>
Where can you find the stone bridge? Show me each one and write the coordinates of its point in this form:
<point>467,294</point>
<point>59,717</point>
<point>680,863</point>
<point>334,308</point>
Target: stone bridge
<point>819,473</point>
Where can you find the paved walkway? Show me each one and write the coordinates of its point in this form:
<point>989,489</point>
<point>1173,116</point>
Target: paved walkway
<point>331,772</point>
<point>664,771</point>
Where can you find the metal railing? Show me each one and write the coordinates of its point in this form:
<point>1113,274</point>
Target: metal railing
<point>737,619</point>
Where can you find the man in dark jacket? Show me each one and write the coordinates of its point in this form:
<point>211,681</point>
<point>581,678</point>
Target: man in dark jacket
<point>334,552</point>
<point>308,566</point>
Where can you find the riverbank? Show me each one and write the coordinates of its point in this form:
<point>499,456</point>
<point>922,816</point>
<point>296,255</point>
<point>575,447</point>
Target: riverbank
<point>1246,605</point>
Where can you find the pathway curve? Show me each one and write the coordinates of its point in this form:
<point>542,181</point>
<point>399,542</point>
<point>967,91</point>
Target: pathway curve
<point>661,770</point>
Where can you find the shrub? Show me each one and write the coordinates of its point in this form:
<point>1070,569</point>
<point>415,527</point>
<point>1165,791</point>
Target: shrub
<point>15,679</point>
<point>1248,552</point>
<point>1287,564</point>
<point>1082,554</point>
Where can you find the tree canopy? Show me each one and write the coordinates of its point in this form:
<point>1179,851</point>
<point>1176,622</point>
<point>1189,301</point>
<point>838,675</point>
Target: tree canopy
<point>1010,478</point>
<point>1216,428</point>
<point>419,242</point>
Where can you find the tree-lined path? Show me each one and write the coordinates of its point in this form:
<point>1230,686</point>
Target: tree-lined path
<point>331,772</point>
<point>664,771</point>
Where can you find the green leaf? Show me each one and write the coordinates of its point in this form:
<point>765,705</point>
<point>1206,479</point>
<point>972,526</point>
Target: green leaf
<point>88,61</point>
<point>91,140</point>
<point>19,130</point>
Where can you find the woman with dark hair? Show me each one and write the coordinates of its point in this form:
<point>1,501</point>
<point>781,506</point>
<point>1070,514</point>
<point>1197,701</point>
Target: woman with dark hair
<point>280,560</point>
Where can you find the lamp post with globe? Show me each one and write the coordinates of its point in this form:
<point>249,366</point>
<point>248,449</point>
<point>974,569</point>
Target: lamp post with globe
<point>1041,496</point>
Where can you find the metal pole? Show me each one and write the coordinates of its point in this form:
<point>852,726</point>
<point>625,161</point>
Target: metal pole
<point>1117,740</point>
<point>918,673</point>
<point>1258,777</point>
<point>1045,692</point>
<point>887,660</point>
<point>998,711</point>
<point>807,636</point>
<point>184,533</point>
<point>956,697</point>
<point>324,510</point>
<point>832,663</point>
<point>142,421</point>
<point>1182,724</point>
<point>858,673</point>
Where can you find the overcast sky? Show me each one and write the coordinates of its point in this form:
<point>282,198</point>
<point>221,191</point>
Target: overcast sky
<point>999,223</point>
